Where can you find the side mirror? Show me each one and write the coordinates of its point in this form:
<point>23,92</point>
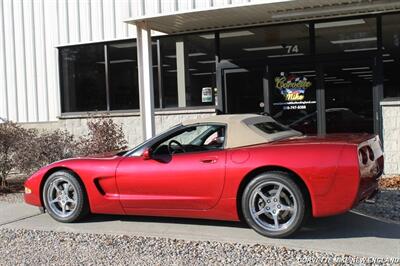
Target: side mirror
<point>146,154</point>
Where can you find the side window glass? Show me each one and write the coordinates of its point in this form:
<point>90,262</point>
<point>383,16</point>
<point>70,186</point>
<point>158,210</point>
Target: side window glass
<point>211,138</point>
<point>192,139</point>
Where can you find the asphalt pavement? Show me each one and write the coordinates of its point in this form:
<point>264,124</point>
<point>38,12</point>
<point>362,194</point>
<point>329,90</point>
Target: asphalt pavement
<point>351,233</point>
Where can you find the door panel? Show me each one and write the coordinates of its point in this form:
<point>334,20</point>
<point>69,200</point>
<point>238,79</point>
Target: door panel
<point>186,181</point>
<point>244,90</point>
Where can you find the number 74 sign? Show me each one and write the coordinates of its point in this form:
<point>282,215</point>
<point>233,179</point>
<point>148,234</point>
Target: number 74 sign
<point>292,49</point>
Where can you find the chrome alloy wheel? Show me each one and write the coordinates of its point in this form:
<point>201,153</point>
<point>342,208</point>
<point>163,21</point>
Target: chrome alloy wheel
<point>62,197</point>
<point>273,206</point>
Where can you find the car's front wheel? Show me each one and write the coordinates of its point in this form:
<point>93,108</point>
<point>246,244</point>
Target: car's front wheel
<point>64,197</point>
<point>273,204</point>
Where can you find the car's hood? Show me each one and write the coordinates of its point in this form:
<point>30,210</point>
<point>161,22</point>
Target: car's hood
<point>81,164</point>
<point>100,156</point>
<point>103,155</point>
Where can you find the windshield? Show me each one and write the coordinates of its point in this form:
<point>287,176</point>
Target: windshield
<point>138,150</point>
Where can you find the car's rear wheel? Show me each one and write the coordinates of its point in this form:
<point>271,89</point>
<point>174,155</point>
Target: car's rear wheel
<point>64,197</point>
<point>273,204</point>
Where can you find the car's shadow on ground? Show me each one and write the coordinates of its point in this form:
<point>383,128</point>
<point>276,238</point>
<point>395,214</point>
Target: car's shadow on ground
<point>150,219</point>
<point>347,225</point>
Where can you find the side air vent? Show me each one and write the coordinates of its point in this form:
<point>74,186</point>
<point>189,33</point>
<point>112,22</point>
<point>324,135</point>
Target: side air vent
<point>99,188</point>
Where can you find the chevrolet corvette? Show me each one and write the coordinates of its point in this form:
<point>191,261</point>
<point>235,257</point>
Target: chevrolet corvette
<point>226,167</point>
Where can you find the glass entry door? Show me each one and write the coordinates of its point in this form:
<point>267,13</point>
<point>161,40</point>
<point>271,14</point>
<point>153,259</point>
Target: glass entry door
<point>292,90</point>
<point>348,97</point>
<point>323,97</point>
<point>244,90</point>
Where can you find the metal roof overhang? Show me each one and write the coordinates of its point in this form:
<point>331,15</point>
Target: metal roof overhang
<point>262,13</point>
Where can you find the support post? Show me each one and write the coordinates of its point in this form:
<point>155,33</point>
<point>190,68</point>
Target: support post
<point>181,72</point>
<point>145,74</point>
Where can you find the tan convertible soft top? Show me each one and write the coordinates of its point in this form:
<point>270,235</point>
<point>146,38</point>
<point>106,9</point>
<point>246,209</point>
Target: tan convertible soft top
<point>241,129</point>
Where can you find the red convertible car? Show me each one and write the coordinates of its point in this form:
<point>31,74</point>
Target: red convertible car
<point>226,167</point>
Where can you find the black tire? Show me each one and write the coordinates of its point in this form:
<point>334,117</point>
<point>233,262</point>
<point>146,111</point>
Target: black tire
<point>250,195</point>
<point>81,207</point>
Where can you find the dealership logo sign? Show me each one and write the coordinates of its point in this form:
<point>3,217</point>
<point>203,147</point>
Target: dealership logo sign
<point>292,87</point>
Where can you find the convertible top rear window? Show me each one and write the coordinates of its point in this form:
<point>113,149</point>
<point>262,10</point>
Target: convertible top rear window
<point>270,127</point>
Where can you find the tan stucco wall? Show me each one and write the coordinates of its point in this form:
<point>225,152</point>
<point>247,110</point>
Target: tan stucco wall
<point>391,135</point>
<point>131,123</point>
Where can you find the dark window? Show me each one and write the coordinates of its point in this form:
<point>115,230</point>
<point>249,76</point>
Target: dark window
<point>348,97</point>
<point>263,43</point>
<point>83,85</point>
<point>186,65</point>
<point>123,76</point>
<point>188,70</point>
<point>353,35</point>
<point>391,54</point>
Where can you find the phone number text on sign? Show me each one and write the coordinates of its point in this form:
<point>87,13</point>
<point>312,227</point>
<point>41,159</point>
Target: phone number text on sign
<point>294,107</point>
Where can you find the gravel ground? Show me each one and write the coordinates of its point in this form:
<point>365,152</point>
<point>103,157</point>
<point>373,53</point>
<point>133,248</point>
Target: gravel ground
<point>387,205</point>
<point>40,247</point>
<point>21,247</point>
<point>55,248</point>
<point>12,197</point>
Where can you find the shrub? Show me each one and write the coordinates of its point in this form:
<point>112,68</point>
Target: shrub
<point>44,148</point>
<point>104,136</point>
<point>27,150</point>
<point>11,137</point>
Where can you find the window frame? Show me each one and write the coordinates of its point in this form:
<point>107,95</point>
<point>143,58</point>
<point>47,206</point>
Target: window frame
<point>218,106</point>
<point>182,128</point>
<point>61,78</point>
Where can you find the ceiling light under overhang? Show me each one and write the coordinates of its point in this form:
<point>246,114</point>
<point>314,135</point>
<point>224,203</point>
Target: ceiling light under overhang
<point>341,23</point>
<point>302,72</point>
<point>118,61</point>
<point>285,55</point>
<point>332,80</point>
<point>362,72</point>
<point>360,49</point>
<point>367,39</point>
<point>263,48</point>
<point>355,68</point>
<point>123,45</point>
<point>164,65</point>
<point>342,82</point>
<point>203,74</point>
<point>230,34</point>
<point>190,54</point>
<point>206,62</point>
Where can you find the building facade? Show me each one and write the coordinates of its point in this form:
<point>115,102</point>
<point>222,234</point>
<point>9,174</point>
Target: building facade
<point>318,66</point>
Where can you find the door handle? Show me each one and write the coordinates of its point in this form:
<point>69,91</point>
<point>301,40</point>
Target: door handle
<point>209,160</point>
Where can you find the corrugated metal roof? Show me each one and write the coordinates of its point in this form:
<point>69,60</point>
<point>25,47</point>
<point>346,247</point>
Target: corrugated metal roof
<point>260,13</point>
